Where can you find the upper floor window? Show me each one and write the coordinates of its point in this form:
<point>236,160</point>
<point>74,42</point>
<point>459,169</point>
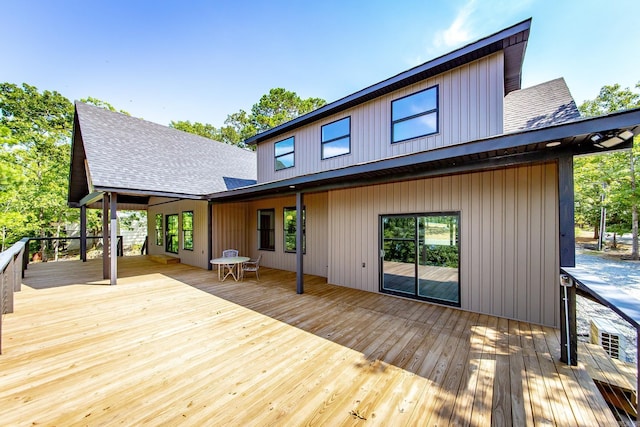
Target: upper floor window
<point>415,115</point>
<point>336,138</point>
<point>187,230</point>
<point>284,151</point>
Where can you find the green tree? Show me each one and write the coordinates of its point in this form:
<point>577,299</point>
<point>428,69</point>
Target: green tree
<point>614,172</point>
<point>103,104</point>
<point>39,126</point>
<point>273,109</point>
<point>203,129</point>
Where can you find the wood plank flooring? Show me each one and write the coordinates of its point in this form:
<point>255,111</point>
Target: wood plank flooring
<point>170,345</point>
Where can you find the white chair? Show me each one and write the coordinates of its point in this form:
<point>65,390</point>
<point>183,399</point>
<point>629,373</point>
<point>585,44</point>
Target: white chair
<point>252,266</point>
<point>228,253</point>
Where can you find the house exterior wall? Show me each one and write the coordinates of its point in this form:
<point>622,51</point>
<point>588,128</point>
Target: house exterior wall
<point>236,227</point>
<point>508,236</point>
<point>197,257</point>
<point>470,107</point>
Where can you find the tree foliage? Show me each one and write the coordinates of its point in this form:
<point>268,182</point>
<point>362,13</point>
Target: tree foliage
<point>37,148</point>
<point>612,175</point>
<point>273,109</point>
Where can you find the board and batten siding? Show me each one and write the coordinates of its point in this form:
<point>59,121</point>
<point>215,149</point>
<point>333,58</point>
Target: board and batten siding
<point>198,257</point>
<point>235,226</point>
<point>508,236</point>
<point>470,107</point>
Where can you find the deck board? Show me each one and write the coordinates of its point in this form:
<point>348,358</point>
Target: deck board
<point>171,345</point>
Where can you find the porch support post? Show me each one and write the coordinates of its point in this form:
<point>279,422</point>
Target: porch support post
<point>83,233</point>
<point>299,242</point>
<point>105,236</point>
<point>568,328</point>
<point>210,234</point>
<point>114,238</point>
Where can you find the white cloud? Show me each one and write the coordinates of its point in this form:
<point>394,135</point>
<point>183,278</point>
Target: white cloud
<point>459,31</point>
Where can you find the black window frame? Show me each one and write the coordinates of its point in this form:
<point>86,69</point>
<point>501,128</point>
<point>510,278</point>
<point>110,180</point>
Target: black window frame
<point>186,231</point>
<point>159,227</point>
<point>324,142</point>
<point>168,244</point>
<point>269,233</point>
<point>415,238</point>
<point>288,233</point>
<point>435,111</point>
<point>293,152</point>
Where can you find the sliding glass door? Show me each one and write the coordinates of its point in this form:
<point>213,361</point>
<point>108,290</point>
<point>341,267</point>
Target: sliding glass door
<point>420,256</point>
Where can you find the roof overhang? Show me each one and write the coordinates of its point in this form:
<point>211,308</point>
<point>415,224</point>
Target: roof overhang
<point>512,40</point>
<point>537,145</point>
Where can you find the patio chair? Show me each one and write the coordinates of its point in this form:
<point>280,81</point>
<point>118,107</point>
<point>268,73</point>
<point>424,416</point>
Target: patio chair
<point>228,253</point>
<point>252,266</point>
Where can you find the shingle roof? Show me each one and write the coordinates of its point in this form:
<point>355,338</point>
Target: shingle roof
<point>539,106</point>
<point>124,152</point>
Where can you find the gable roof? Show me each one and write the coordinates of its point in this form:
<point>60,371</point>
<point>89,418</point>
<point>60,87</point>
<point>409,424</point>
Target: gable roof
<point>539,106</point>
<point>115,152</point>
<point>512,40</point>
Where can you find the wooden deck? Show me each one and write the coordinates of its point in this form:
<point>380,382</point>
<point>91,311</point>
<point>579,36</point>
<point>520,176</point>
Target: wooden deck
<point>171,345</point>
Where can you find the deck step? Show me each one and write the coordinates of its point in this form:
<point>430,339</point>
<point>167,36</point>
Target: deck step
<point>164,259</point>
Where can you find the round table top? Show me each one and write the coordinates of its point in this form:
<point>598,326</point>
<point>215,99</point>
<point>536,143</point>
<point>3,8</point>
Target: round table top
<point>230,260</point>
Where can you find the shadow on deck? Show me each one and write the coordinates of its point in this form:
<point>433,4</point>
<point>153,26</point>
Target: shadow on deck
<point>170,344</point>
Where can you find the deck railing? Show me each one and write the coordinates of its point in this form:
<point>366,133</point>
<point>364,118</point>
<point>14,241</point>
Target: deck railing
<point>12,265</point>
<point>626,305</point>
<point>51,248</point>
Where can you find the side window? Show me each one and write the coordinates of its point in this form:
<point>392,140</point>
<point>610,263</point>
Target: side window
<point>290,224</point>
<point>414,115</point>
<point>336,138</point>
<point>284,153</point>
<point>187,230</point>
<point>267,229</point>
<point>159,229</point>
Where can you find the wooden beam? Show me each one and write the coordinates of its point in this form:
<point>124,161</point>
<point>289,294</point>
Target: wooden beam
<point>113,238</point>
<point>105,236</point>
<point>91,198</point>
<point>567,242</point>
<point>83,233</point>
<point>299,243</point>
<point>566,202</point>
<point>209,234</point>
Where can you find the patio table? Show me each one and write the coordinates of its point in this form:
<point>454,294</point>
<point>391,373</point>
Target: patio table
<point>235,262</point>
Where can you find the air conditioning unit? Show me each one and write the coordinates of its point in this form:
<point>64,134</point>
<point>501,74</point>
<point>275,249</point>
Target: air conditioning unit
<point>606,334</point>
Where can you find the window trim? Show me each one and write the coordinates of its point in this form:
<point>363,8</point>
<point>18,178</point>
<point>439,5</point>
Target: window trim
<point>416,295</point>
<point>323,142</point>
<point>285,233</point>
<point>166,233</point>
<point>435,110</point>
<point>271,230</point>
<point>293,151</point>
<point>184,239</point>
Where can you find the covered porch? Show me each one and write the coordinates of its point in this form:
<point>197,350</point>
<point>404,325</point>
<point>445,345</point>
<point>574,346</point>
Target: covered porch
<point>173,345</point>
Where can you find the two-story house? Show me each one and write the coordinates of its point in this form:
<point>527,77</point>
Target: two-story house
<point>447,183</point>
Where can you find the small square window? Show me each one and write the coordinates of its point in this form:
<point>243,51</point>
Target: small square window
<point>336,138</point>
<point>415,115</point>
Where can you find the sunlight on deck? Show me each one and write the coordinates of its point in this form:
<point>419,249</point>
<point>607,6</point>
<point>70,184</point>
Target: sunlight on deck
<point>171,345</point>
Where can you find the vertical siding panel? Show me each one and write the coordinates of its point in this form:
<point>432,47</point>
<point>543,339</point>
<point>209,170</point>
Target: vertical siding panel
<point>498,258</point>
<point>475,239</point>
<point>523,236</point>
<point>466,254</point>
<point>486,236</point>
<point>550,266</point>
<point>509,243</point>
<point>463,105</point>
<point>536,227</point>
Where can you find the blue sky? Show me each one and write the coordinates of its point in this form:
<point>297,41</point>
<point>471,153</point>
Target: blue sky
<point>200,60</point>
